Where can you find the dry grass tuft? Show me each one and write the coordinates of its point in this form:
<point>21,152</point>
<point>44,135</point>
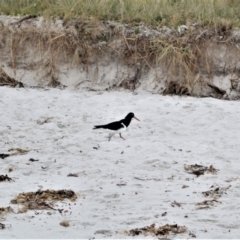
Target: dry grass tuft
<point>6,80</point>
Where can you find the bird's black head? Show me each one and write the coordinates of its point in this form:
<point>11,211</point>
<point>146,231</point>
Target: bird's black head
<point>130,116</point>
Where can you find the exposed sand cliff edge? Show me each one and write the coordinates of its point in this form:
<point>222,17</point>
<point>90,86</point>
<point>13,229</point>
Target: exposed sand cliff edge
<point>104,55</point>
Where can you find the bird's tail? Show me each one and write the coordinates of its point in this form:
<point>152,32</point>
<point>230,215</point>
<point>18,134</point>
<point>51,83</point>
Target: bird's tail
<point>99,126</point>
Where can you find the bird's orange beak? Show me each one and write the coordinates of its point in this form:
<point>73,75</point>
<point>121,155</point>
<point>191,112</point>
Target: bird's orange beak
<point>136,119</point>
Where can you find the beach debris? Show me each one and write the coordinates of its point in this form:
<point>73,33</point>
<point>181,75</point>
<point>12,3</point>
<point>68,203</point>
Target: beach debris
<point>185,186</point>
<point>4,210</point>
<point>232,179</point>
<point>2,226</point>
<point>207,204</point>
<point>5,178</point>
<point>72,175</point>
<point>104,232</point>
<point>40,205</point>
<point>161,230</point>
<point>64,223</point>
<point>43,199</point>
<point>19,22</point>
<point>138,178</point>
<point>3,155</point>
<point>164,214</point>
<point>148,179</point>
<point>216,192</point>
<point>199,169</point>
<point>171,178</point>
<point>173,204</point>
<point>44,168</point>
<point>121,184</point>
<point>13,151</point>
<point>218,91</point>
<point>18,151</point>
<point>96,148</point>
<point>55,195</point>
<point>61,125</point>
<point>191,234</point>
<point>44,120</point>
<point>33,160</point>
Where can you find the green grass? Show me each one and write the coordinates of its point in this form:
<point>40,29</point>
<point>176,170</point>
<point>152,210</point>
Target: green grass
<point>153,12</point>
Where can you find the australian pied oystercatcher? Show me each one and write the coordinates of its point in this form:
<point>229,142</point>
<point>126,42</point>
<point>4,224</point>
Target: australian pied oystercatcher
<point>117,127</point>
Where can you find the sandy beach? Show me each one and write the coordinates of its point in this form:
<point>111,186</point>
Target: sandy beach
<point>121,185</point>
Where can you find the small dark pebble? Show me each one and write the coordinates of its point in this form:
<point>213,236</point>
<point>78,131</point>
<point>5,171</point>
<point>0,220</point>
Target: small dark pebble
<point>33,160</point>
<point>72,175</point>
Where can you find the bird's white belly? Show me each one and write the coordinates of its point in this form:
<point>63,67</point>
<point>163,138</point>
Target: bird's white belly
<point>123,129</point>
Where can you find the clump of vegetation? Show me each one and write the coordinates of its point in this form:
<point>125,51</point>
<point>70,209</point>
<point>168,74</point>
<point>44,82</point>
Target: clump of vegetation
<point>43,199</point>
<point>161,230</point>
<point>177,40</point>
<point>154,12</point>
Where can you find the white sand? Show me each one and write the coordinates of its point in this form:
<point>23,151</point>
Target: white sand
<point>173,131</point>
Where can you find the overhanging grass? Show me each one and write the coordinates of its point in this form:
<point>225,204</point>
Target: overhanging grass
<point>184,59</point>
<point>154,12</point>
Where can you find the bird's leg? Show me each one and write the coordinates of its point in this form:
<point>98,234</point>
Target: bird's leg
<point>121,136</point>
<point>110,136</point>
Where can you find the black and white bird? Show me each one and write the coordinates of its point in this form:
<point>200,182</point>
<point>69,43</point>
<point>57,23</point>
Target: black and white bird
<point>117,127</point>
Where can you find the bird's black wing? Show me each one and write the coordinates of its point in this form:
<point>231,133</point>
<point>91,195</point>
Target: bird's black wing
<point>111,126</point>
